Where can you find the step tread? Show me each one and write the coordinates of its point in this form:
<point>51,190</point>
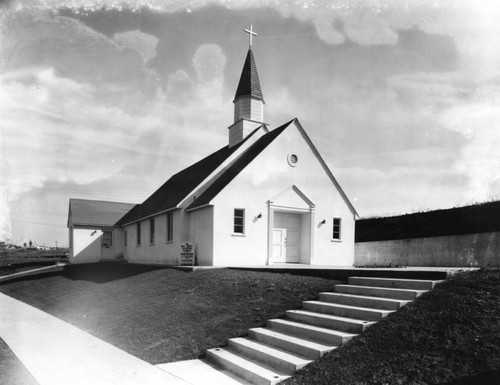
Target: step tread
<point>249,365</point>
<point>333,332</point>
<point>418,284</point>
<point>383,288</point>
<point>296,340</point>
<point>202,371</point>
<point>335,305</point>
<point>398,279</point>
<point>269,350</point>
<point>330,316</point>
<point>382,299</point>
<point>373,301</point>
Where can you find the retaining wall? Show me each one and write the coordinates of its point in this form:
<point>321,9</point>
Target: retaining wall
<point>480,249</point>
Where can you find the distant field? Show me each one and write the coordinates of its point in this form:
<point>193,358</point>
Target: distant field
<point>13,261</point>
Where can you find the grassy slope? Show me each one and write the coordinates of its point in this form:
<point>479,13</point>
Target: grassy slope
<point>451,332</point>
<point>165,315</point>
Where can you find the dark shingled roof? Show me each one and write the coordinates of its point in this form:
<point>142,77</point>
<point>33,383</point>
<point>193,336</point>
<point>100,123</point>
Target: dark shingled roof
<point>174,190</point>
<point>250,154</point>
<point>86,212</point>
<point>249,84</point>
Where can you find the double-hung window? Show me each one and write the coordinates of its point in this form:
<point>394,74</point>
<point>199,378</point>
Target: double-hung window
<point>125,238</point>
<point>152,231</point>
<point>336,228</point>
<point>138,233</point>
<point>239,221</point>
<point>170,227</point>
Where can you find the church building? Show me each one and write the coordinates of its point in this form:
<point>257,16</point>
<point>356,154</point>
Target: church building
<point>266,197</point>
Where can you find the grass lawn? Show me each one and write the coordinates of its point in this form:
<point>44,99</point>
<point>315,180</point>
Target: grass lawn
<point>443,337</point>
<point>165,315</point>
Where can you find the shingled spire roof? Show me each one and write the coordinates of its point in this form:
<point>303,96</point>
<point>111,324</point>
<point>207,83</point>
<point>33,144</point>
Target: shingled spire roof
<point>249,84</point>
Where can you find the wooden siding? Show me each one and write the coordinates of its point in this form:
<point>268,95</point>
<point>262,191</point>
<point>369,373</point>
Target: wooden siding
<point>248,108</point>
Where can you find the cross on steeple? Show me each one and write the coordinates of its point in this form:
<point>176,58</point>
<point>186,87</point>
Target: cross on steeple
<point>251,33</point>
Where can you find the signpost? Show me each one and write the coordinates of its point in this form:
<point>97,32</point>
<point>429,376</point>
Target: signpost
<point>187,254</point>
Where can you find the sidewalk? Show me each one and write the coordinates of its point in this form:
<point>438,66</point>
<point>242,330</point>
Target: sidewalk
<point>55,352</point>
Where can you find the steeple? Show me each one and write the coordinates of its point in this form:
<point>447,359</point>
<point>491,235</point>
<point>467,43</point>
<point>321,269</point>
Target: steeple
<point>248,100</point>
<point>249,84</point>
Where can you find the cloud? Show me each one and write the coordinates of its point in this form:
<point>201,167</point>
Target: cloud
<point>468,108</point>
<point>77,139</point>
<point>143,43</point>
<point>478,121</point>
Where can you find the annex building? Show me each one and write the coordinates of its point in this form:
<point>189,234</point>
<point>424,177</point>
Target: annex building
<point>266,196</point>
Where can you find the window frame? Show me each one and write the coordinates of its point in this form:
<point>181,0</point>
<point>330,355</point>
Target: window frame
<point>152,231</point>
<point>106,241</point>
<point>337,229</point>
<point>138,231</point>
<point>242,225</point>
<point>125,238</point>
<point>169,227</point>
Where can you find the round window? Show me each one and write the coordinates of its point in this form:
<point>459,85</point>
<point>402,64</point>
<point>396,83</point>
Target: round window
<point>292,160</point>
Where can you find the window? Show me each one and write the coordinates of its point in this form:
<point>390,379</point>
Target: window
<point>170,227</point>
<point>152,231</point>
<point>239,221</point>
<point>107,238</point>
<point>125,238</point>
<point>292,159</point>
<point>138,233</point>
<point>336,228</point>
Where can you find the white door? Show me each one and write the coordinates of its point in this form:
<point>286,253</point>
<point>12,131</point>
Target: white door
<point>286,238</point>
<point>107,249</point>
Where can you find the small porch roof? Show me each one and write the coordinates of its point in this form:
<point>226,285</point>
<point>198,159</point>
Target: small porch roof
<point>84,212</point>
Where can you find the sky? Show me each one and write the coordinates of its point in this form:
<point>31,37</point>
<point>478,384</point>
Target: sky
<point>107,99</point>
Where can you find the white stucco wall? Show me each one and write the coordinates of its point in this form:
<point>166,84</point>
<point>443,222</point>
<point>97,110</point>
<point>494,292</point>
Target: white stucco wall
<point>84,247</point>
<point>85,244</point>
<point>201,224</point>
<point>268,176</point>
<point>466,250</point>
<point>161,252</point>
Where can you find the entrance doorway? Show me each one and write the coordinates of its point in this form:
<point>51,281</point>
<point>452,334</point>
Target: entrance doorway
<point>107,249</point>
<point>286,237</point>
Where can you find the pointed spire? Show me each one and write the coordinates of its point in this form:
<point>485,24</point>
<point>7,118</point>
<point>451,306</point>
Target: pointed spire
<point>249,84</point>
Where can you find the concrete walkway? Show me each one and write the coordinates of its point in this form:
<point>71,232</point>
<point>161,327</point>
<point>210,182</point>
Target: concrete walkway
<point>55,352</point>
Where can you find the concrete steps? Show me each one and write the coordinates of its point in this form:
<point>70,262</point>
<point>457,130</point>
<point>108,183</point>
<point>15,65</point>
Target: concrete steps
<point>250,370</point>
<point>393,283</point>
<point>273,353</point>
<point>404,294</point>
<point>356,312</point>
<point>300,346</point>
<point>363,301</point>
<point>310,332</point>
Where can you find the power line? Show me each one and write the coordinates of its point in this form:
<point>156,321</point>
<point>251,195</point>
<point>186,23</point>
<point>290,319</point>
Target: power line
<point>37,223</point>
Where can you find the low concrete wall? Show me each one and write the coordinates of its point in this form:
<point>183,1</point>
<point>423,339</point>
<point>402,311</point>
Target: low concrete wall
<point>451,251</point>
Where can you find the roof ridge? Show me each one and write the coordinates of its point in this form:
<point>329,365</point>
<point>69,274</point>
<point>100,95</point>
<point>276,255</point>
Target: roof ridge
<point>100,200</point>
<point>237,166</point>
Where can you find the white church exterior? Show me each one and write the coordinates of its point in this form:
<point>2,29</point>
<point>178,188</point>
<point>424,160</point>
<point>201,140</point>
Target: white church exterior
<point>267,197</point>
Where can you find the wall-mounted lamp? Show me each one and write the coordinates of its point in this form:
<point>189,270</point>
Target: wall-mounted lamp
<point>259,216</point>
<point>322,222</point>
<point>93,232</point>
